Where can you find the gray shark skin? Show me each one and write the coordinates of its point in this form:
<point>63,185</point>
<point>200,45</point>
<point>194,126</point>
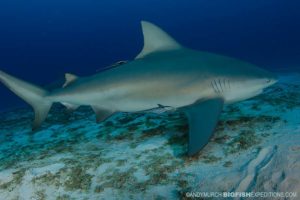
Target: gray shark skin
<point>165,74</point>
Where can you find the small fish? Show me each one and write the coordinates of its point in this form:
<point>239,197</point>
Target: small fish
<point>160,109</point>
<point>116,64</point>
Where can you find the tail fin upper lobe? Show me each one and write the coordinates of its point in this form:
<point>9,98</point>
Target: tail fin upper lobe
<point>33,95</point>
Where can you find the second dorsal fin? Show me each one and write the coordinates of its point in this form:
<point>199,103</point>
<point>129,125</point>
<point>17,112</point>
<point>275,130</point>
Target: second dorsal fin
<point>155,39</point>
<point>69,79</point>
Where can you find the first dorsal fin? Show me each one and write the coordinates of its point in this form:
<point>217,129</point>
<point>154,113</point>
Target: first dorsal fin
<point>156,39</point>
<point>69,79</point>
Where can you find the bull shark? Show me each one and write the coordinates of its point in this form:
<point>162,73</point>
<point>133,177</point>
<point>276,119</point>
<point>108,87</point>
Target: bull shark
<point>164,73</point>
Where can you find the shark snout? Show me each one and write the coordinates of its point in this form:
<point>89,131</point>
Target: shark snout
<point>265,78</point>
<point>271,80</point>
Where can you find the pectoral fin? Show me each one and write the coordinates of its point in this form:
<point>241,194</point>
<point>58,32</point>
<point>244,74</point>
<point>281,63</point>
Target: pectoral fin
<point>203,118</point>
<point>102,114</point>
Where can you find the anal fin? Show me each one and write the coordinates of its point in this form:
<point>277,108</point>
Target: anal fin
<point>102,114</point>
<point>203,118</point>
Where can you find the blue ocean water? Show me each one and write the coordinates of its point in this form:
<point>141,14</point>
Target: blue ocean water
<point>42,40</point>
<point>255,146</point>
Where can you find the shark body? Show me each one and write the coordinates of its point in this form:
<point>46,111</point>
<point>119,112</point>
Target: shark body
<point>165,74</point>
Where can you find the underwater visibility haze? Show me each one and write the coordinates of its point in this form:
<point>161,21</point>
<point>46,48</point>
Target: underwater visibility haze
<point>209,103</point>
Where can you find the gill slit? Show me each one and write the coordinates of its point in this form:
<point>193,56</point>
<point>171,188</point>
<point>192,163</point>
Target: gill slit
<point>221,88</point>
<point>212,85</point>
<point>224,83</point>
<point>216,85</point>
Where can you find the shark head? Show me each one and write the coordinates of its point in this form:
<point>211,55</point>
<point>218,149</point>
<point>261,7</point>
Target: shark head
<point>249,81</point>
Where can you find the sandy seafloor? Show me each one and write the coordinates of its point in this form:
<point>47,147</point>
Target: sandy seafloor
<point>256,147</point>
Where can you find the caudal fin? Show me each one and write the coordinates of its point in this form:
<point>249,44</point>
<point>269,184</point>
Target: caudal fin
<point>32,94</point>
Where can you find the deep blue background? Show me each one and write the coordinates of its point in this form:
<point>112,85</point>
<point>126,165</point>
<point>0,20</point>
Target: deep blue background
<point>40,40</point>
